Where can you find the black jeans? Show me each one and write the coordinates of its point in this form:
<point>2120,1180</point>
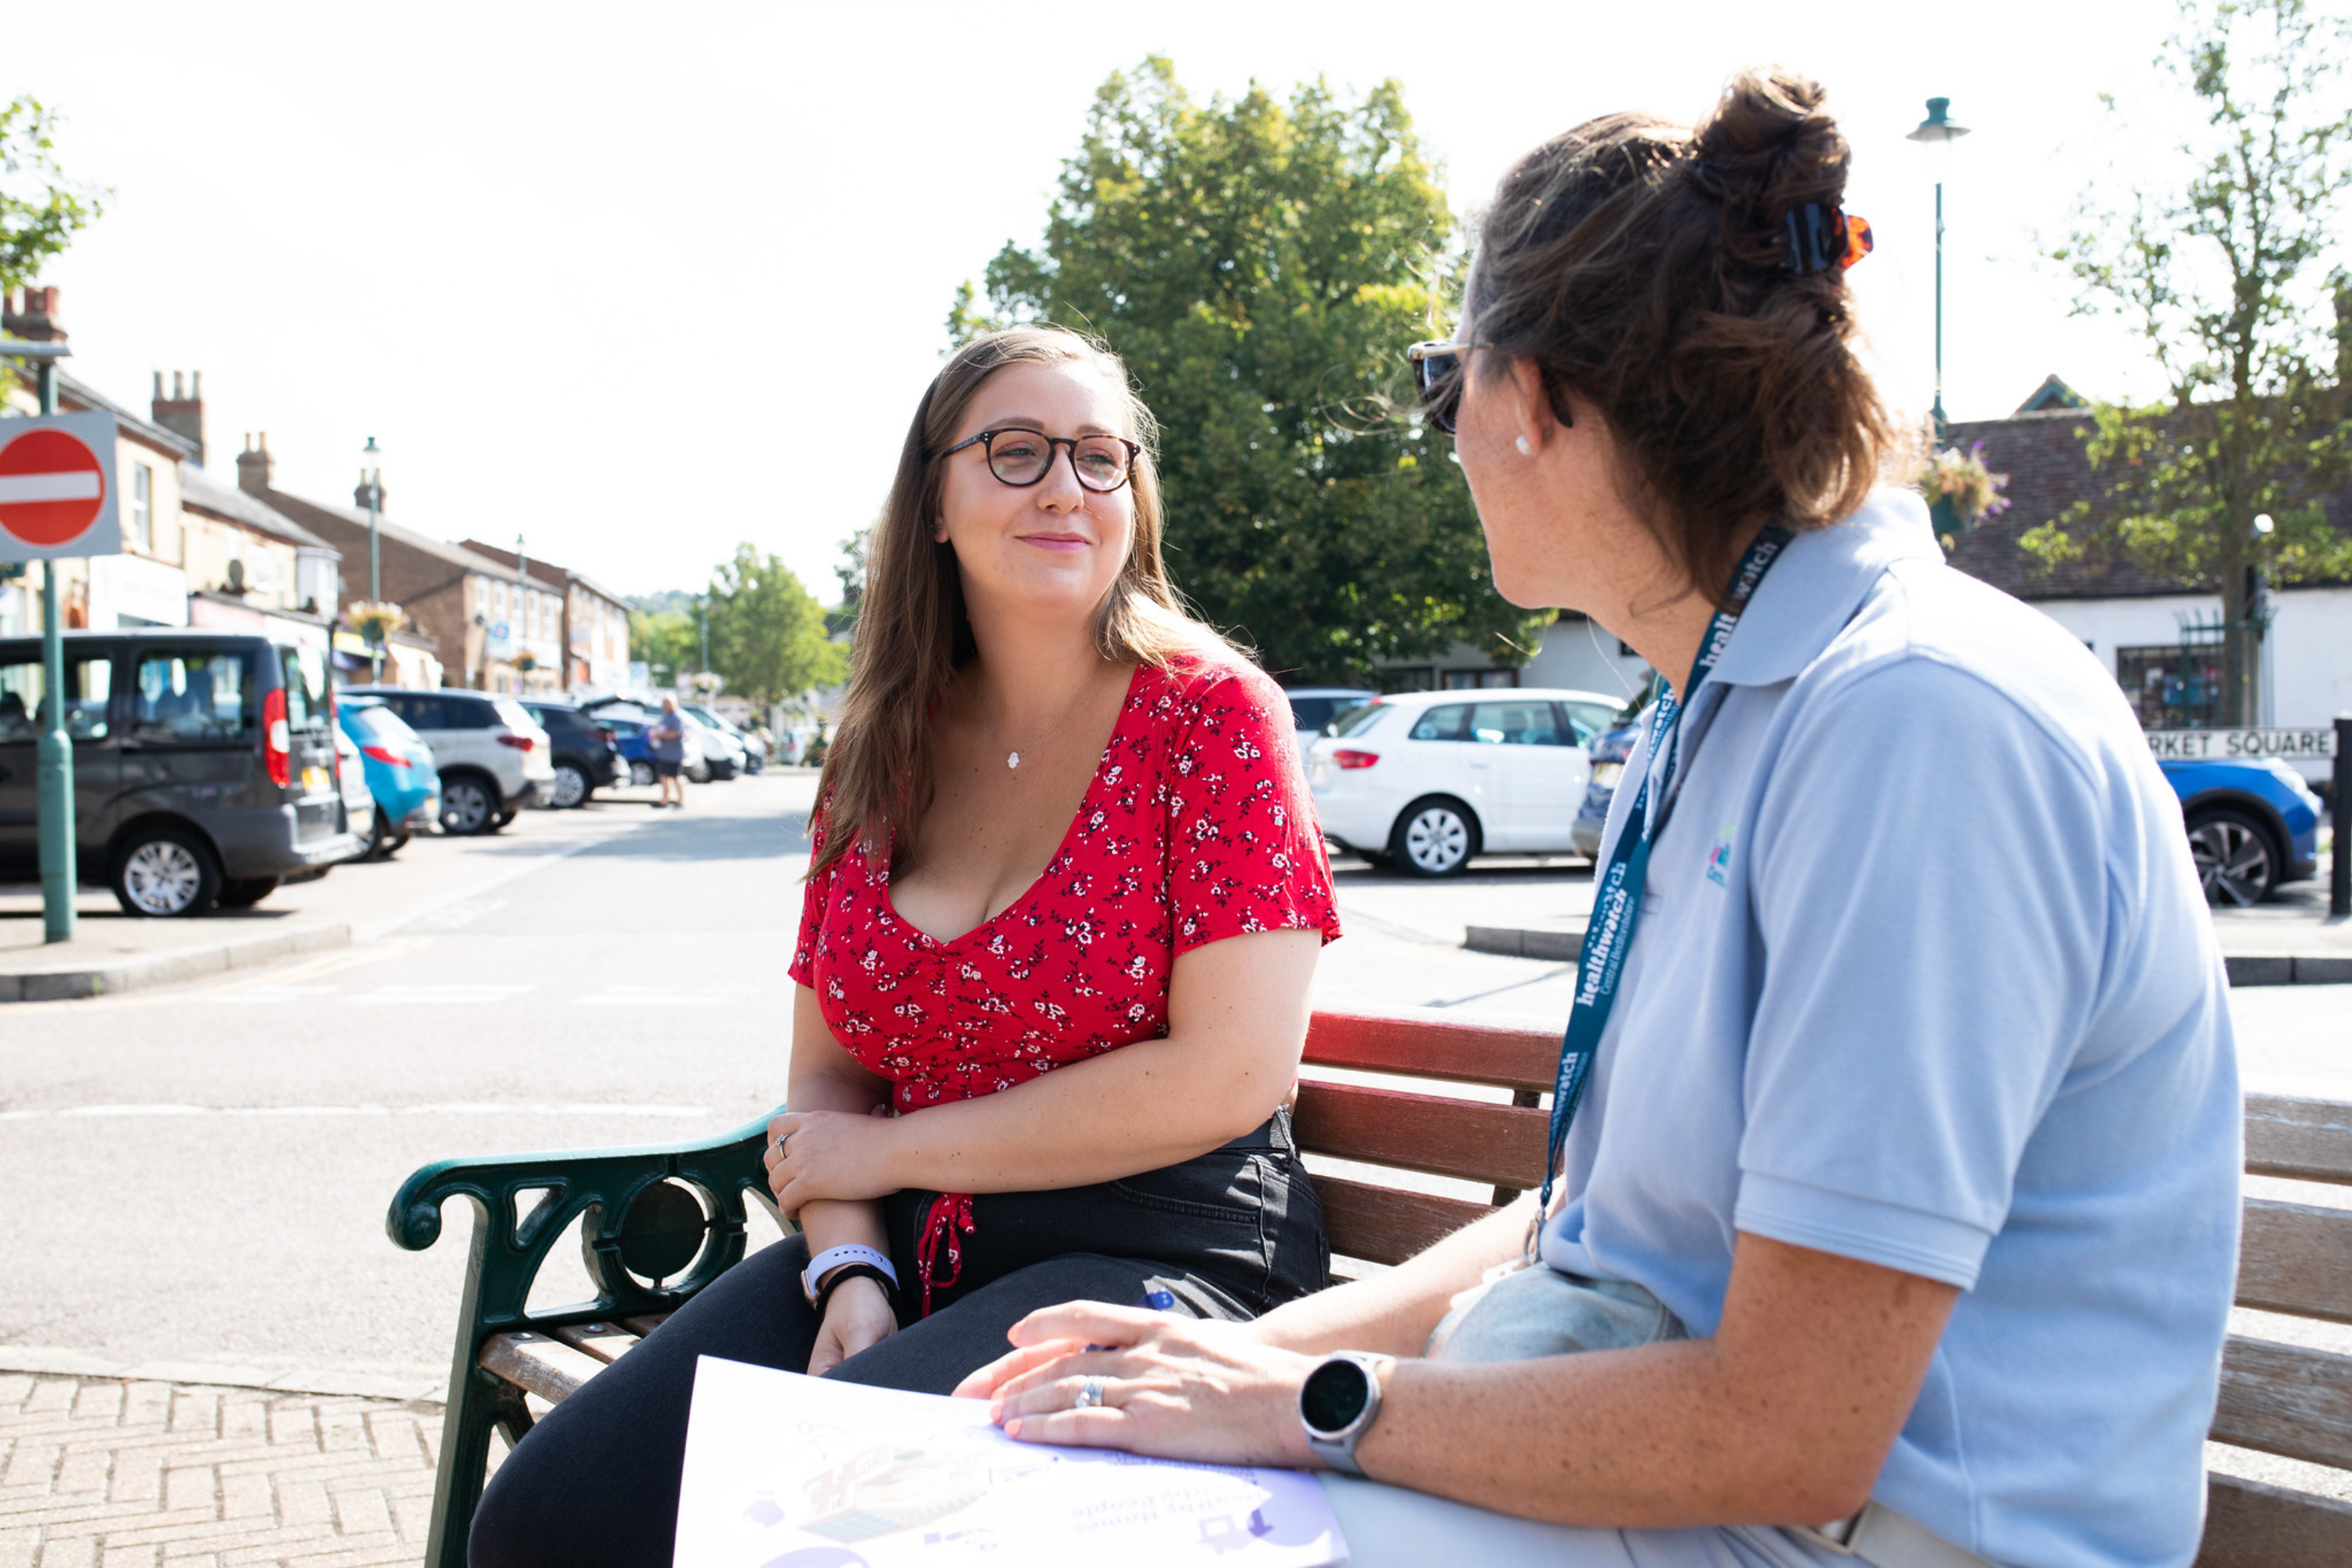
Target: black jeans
<point>1230,1235</point>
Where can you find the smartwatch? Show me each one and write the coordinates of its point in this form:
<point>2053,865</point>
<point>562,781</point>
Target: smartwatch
<point>864,1258</point>
<point>1337,1404</point>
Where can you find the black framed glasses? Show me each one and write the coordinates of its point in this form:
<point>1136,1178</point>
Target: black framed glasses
<point>1437,369</point>
<point>1022,457</point>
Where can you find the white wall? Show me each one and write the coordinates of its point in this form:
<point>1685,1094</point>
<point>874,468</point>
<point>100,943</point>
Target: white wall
<point>2307,658</point>
<point>1581,656</point>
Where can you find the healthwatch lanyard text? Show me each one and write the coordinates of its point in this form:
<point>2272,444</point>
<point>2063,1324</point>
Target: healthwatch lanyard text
<point>1617,901</point>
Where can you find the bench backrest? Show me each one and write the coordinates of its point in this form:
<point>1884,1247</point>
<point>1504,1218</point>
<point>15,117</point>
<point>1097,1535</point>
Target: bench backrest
<point>2295,1259</point>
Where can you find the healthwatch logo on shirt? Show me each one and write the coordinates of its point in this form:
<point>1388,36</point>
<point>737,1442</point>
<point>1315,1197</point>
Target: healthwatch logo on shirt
<point>1719,860</point>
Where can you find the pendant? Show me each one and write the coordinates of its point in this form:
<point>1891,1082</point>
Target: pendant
<point>1012,759</point>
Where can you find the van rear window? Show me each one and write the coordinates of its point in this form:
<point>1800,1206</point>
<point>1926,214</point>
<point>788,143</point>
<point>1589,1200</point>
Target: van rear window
<point>304,671</point>
<point>193,697</point>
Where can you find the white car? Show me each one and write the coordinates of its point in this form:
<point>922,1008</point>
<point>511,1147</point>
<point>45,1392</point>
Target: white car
<point>351,776</point>
<point>1312,707</point>
<point>1429,779</point>
<point>494,758</point>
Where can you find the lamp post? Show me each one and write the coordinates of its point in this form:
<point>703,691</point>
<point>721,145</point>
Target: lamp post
<point>371,475</point>
<point>1938,132</point>
<point>52,760</point>
<point>522,609</point>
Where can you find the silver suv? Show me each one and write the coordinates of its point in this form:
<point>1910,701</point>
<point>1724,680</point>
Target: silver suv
<point>493,756</point>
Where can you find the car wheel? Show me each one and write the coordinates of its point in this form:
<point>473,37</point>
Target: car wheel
<point>570,789</point>
<point>467,805</point>
<point>2236,861</point>
<point>379,839</point>
<point>399,842</point>
<point>166,873</point>
<point>641,774</point>
<point>500,821</point>
<point>697,772</point>
<point>1435,836</point>
<point>244,892</point>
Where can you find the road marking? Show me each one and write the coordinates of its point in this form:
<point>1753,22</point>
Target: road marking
<point>448,1108</point>
<point>266,993</point>
<point>641,997</point>
<point>445,995</point>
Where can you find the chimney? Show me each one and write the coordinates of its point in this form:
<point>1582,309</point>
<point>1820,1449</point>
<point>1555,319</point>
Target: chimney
<point>37,321</point>
<point>253,467</point>
<point>182,413</point>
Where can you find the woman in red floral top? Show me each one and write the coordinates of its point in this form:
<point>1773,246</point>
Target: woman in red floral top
<point>1058,933</point>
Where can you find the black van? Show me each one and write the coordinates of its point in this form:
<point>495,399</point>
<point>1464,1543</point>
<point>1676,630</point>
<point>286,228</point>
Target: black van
<point>203,765</point>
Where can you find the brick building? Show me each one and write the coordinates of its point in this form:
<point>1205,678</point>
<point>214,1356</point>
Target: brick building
<point>590,624</point>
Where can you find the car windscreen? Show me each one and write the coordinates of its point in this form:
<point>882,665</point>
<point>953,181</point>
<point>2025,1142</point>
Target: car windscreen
<point>378,725</point>
<point>1356,721</point>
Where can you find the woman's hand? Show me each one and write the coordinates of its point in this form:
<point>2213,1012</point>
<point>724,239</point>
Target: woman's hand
<point>856,1316</point>
<point>815,1154</point>
<point>1176,1388</point>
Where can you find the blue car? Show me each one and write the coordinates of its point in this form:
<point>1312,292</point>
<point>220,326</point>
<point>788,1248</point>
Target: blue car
<point>399,773</point>
<point>1609,751</point>
<point>2252,825</point>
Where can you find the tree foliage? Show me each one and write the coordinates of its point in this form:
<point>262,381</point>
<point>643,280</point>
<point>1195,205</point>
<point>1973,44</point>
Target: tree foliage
<point>40,210</point>
<point>667,642</point>
<point>1262,266</point>
<point>768,634</point>
<point>2221,273</point>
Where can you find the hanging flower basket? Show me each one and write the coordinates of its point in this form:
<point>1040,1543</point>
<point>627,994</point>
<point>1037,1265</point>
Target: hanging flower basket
<point>1961,491</point>
<point>525,661</point>
<point>377,622</point>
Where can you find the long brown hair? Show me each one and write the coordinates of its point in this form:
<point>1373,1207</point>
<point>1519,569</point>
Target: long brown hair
<point>912,632</point>
<point>1641,265</point>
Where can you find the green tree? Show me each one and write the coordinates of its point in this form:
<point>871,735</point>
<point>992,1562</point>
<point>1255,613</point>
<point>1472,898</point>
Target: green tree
<point>667,641</point>
<point>843,618</point>
<point>767,635</point>
<point>2220,269</point>
<point>40,211</point>
<point>1262,266</point>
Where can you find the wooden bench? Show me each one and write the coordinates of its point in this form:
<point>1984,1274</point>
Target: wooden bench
<point>660,1223</point>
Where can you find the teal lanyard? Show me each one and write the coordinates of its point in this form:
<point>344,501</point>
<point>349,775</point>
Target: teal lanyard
<point>1617,901</point>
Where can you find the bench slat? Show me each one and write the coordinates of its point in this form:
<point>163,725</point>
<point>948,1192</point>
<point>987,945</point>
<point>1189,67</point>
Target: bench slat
<point>2307,1140</point>
<point>1501,1144</point>
<point>1451,1048</point>
<point>2296,1258</point>
<point>2284,1399</point>
<point>537,1364</point>
<point>644,1323</point>
<point>2251,1525</point>
<point>606,1342</point>
<point>1382,1225</point>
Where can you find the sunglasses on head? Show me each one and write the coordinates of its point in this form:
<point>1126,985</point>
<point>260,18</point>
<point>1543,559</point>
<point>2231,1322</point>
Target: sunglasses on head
<point>1437,372</point>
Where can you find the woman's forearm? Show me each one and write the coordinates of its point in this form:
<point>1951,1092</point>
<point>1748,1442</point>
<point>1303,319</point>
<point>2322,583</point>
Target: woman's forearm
<point>1393,1312</point>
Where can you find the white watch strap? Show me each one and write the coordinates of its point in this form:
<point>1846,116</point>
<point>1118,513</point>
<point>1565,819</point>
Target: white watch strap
<point>833,1258</point>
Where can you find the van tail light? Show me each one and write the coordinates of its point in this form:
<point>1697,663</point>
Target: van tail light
<point>277,739</point>
<point>388,758</point>
<point>520,742</point>
<point>1347,759</point>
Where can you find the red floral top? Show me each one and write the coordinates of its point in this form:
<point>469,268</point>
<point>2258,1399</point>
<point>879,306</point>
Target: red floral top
<point>1196,828</point>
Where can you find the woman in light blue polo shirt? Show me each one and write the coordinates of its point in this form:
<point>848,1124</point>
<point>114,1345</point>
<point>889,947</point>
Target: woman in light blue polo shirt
<point>1897,1219</point>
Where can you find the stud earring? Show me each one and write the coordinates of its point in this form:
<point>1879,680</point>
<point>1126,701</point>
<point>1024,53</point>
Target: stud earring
<point>1525,449</point>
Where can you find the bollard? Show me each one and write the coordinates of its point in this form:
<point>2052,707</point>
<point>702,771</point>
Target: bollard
<point>2339,870</point>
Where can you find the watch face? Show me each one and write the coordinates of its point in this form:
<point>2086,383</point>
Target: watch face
<point>1334,1394</point>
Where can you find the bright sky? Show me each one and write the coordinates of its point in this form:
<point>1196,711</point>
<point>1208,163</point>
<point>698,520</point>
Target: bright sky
<point>640,283</point>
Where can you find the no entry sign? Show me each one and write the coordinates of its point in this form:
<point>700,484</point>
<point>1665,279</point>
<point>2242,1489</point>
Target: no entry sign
<point>56,487</point>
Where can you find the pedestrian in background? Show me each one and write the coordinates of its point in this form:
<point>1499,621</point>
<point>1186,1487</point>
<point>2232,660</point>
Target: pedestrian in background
<point>667,735</point>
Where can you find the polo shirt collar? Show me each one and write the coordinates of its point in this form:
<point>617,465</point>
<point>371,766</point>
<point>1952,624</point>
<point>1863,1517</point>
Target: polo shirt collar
<point>1819,582</point>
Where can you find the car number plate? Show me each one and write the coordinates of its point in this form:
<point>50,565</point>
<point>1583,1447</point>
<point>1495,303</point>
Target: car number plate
<point>315,781</point>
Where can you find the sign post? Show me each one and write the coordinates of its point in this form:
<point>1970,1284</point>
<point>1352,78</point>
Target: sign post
<point>2339,869</point>
<point>57,499</point>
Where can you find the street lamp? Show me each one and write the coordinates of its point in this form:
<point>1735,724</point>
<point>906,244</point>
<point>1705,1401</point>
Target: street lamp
<point>372,478</point>
<point>1938,132</point>
<point>522,609</point>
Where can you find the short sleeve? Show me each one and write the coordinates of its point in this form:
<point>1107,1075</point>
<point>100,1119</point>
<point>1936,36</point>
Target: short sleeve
<point>1245,852</point>
<point>816,892</point>
<point>1932,895</point>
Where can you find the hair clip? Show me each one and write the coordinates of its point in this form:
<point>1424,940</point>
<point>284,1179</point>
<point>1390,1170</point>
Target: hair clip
<point>1820,237</point>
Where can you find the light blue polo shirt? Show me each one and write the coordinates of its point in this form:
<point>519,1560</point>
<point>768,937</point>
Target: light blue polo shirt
<point>1924,978</point>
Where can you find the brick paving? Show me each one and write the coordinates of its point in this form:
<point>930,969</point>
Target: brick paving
<point>115,1472</point>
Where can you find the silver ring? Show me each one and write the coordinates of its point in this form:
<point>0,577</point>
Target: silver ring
<point>1090,1394</point>
<point>777,1148</point>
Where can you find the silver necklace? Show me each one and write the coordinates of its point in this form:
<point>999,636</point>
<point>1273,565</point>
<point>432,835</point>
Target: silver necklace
<point>1011,757</point>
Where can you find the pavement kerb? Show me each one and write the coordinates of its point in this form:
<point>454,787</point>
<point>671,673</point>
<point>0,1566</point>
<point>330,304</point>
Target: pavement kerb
<point>325,1380</point>
<point>131,972</point>
<point>1561,944</point>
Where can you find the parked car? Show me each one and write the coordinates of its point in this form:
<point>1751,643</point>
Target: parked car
<point>493,757</point>
<point>204,767</point>
<point>358,806</point>
<point>1429,780</point>
<point>1609,751</point>
<point>399,770</point>
<point>586,759</point>
<point>754,750</point>
<point>2253,824</point>
<point>1312,707</point>
<point>719,754</point>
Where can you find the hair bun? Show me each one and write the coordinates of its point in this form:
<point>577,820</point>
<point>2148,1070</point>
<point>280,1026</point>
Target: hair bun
<point>1771,147</point>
